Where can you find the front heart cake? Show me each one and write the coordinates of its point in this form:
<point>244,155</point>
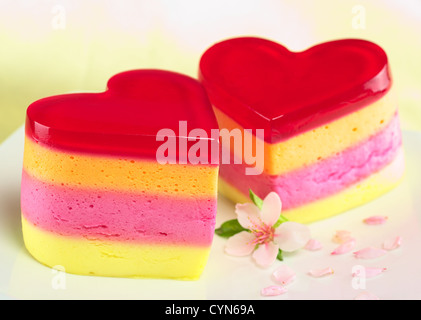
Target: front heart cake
<point>331,138</point>
<point>95,199</point>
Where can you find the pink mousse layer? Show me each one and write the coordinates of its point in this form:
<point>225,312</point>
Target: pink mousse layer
<point>118,216</point>
<point>326,177</point>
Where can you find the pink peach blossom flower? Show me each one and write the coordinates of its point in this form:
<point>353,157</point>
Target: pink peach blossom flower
<point>263,240</point>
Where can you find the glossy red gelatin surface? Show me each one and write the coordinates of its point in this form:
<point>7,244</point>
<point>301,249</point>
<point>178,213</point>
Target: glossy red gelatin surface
<point>123,120</point>
<point>263,85</point>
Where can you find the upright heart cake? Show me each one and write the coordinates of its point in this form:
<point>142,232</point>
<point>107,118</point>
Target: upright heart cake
<point>332,139</point>
<point>95,198</point>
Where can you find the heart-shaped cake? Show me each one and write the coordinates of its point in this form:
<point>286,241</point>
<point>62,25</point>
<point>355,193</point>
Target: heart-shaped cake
<point>96,200</point>
<point>331,131</point>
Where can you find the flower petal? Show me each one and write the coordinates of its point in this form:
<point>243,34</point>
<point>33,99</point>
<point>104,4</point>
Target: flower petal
<point>248,215</point>
<point>317,273</point>
<point>313,245</point>
<point>369,272</point>
<point>271,209</point>
<point>273,291</point>
<point>240,244</point>
<point>366,296</point>
<point>342,236</point>
<point>392,244</point>
<point>266,254</point>
<point>374,220</point>
<point>291,236</point>
<point>344,247</point>
<point>284,275</point>
<point>369,253</point>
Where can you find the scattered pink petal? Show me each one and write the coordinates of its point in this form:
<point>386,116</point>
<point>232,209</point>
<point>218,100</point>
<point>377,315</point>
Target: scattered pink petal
<point>273,291</point>
<point>313,245</point>
<point>317,273</point>
<point>369,272</point>
<point>284,275</point>
<point>369,253</point>
<point>342,236</point>
<point>366,296</point>
<point>392,244</point>
<point>375,220</point>
<point>344,247</point>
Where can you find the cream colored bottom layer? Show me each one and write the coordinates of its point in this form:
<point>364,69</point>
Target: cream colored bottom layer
<point>356,195</point>
<point>114,259</point>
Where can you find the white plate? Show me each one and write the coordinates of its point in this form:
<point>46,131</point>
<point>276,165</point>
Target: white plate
<point>225,277</point>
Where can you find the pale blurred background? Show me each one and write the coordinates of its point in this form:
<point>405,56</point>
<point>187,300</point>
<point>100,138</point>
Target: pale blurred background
<point>53,47</point>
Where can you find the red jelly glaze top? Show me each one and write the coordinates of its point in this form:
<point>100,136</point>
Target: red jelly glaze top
<point>124,120</point>
<point>263,85</point>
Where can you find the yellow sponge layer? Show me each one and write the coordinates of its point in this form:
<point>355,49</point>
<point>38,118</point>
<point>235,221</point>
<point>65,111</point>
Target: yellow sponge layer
<point>322,142</point>
<point>99,172</point>
<point>114,259</point>
<point>356,195</point>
